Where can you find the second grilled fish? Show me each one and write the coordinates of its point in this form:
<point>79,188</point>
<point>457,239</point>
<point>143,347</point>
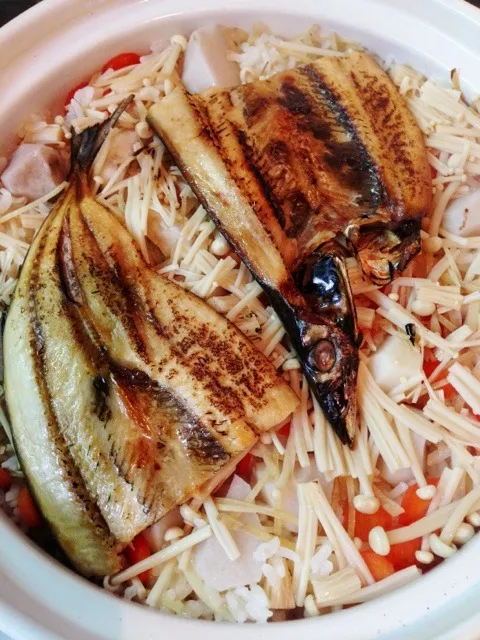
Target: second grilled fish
<point>288,165</point>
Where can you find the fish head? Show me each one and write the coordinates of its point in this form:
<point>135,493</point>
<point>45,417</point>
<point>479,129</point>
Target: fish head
<point>330,361</point>
<point>323,280</point>
<point>327,336</point>
<point>384,248</point>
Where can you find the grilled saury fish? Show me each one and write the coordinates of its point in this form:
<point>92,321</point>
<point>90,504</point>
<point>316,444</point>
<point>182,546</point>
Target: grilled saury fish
<point>126,393</point>
<point>298,171</point>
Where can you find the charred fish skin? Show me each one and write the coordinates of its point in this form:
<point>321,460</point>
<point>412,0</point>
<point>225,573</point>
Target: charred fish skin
<point>231,207</point>
<point>139,392</point>
<point>56,484</point>
<point>329,336</point>
<point>338,152</point>
<point>286,165</point>
<point>329,360</point>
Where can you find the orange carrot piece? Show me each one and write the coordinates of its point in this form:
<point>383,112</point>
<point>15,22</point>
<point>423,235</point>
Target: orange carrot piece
<point>27,509</point>
<point>285,430</point>
<point>137,551</point>
<point>448,391</point>
<point>72,92</point>
<point>414,507</point>
<point>5,479</point>
<point>380,566</point>
<point>122,60</point>
<point>402,555</point>
<point>430,366</point>
<point>364,522</point>
<point>245,466</point>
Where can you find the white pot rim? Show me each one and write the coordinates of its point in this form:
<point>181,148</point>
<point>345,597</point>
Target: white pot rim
<point>40,599</point>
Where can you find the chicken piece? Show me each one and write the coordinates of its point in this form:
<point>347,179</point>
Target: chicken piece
<point>34,170</point>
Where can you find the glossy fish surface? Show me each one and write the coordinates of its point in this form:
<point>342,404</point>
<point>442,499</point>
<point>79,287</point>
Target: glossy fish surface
<point>297,170</point>
<point>138,391</point>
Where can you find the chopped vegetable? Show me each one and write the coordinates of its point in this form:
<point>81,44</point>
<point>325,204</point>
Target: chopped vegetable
<point>245,466</point>
<point>414,507</point>
<point>430,366</point>
<point>406,358</point>
<point>448,391</point>
<point>34,171</point>
<point>5,479</point>
<point>364,522</point>
<point>73,91</point>
<point>137,551</point>
<point>285,430</point>
<point>206,60</point>
<point>403,555</point>
<point>379,566</point>
<point>121,61</point>
<point>27,509</point>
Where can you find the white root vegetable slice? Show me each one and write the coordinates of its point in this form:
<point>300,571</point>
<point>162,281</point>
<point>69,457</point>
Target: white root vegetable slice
<point>210,561</point>
<point>395,359</point>
<point>206,61</point>
<point>462,216</point>
<point>34,170</point>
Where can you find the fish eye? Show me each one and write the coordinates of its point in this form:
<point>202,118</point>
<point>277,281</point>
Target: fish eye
<point>324,355</point>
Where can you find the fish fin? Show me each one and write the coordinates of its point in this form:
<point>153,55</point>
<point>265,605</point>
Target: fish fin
<point>384,252</point>
<point>86,145</point>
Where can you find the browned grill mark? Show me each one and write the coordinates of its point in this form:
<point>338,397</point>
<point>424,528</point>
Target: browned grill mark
<point>254,108</point>
<point>293,98</point>
<point>70,473</point>
<point>223,397</point>
<point>95,353</point>
<point>313,124</point>
<point>291,170</point>
<point>115,294</point>
<point>360,171</point>
<point>200,443</point>
<point>68,277</point>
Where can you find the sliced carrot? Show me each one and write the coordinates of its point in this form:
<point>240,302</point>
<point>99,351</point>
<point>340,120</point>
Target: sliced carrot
<point>414,507</point>
<point>380,566</point>
<point>27,509</point>
<point>73,91</point>
<point>403,555</point>
<point>245,466</point>
<point>285,430</point>
<point>364,522</point>
<point>448,391</point>
<point>137,551</point>
<point>121,61</point>
<point>430,366</point>
<point>5,479</point>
